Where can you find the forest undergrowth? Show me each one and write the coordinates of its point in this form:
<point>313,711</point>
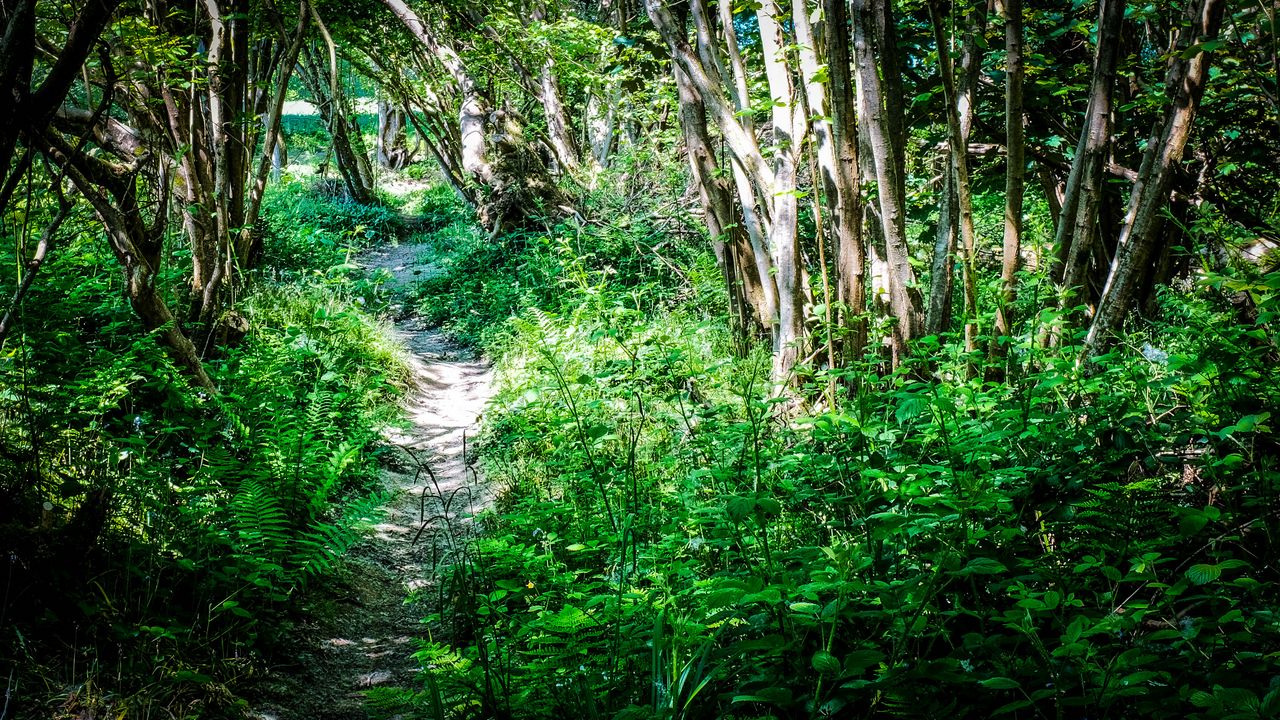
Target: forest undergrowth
<point>672,540</point>
<point>180,529</point>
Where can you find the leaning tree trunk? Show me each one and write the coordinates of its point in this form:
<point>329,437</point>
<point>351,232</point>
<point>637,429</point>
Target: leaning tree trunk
<point>728,239</point>
<point>494,150</point>
<point>138,246</point>
<point>1185,84</point>
<point>326,87</point>
<point>754,210</point>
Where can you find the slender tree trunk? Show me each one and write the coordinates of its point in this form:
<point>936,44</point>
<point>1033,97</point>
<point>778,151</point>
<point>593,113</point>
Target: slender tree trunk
<point>273,157</point>
<point>754,210</point>
<point>960,169</point>
<point>788,130</point>
<point>495,153</point>
<point>851,253</point>
<point>1075,232</point>
<point>474,110</point>
<point>348,145</point>
<point>740,142</point>
<point>31,268</point>
<point>1185,84</point>
<point>136,244</point>
<point>903,297</point>
<point>1015,174</point>
<point>727,236</point>
<point>559,129</point>
<point>942,265</point>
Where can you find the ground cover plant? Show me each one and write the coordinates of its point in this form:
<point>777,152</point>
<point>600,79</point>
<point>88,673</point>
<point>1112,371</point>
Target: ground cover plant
<point>847,359</point>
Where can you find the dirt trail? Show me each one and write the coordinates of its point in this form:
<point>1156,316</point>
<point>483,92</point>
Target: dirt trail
<point>362,636</point>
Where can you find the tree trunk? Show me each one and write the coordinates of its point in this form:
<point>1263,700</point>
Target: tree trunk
<point>1015,174</point>
<point>851,253</point>
<point>788,131</point>
<point>393,146</point>
<point>137,245</point>
<point>274,157</point>
<point>326,87</point>
<point>903,297</point>
<point>25,108</point>
<point>942,266</point>
<point>727,237</point>
<point>1185,84</point>
<point>960,170</point>
<point>1075,231</point>
<point>739,140</point>
<point>600,125</point>
<point>559,130</point>
<point>754,209</point>
<point>494,152</point>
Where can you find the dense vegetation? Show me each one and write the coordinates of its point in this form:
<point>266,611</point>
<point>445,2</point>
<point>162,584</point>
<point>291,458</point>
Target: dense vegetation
<point>859,359</point>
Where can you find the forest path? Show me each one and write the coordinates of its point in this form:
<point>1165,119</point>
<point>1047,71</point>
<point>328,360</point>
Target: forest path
<point>362,635</point>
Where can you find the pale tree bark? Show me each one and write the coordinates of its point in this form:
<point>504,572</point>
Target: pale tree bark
<point>473,110</point>
<point>600,124</point>
<point>960,169</point>
<point>1015,174</point>
<point>425,111</point>
<point>392,150</point>
<point>788,132</point>
<point>1074,235</point>
<point>753,178</point>
<point>559,129</point>
<point>1185,85</point>
<point>903,296</point>
<point>754,210</point>
<point>739,141</point>
<point>494,151</point>
<point>942,264</point>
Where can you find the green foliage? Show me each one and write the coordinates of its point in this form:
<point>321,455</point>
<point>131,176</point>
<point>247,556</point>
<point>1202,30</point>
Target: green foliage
<point>308,226</point>
<point>1074,540</point>
<point>178,524</point>
<point>645,250</point>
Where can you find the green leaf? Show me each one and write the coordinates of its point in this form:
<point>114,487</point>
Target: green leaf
<point>825,663</point>
<point>1203,574</point>
<point>981,566</point>
<point>1000,683</point>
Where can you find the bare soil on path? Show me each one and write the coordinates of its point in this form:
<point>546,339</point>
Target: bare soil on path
<point>361,633</point>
